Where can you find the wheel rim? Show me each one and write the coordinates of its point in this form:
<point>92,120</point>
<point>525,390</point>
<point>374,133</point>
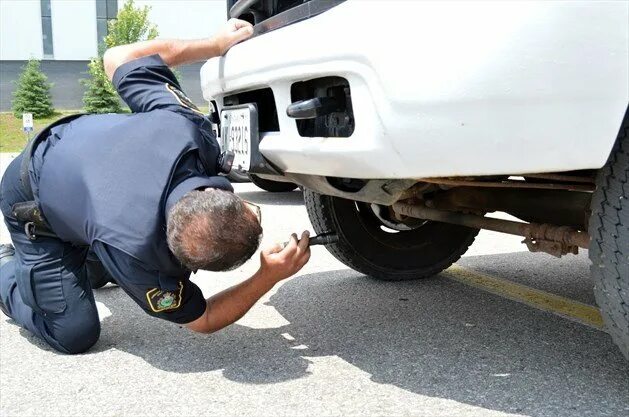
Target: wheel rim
<point>427,245</point>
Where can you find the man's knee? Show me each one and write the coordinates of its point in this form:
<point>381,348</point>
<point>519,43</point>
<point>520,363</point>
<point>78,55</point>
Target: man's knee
<point>79,335</point>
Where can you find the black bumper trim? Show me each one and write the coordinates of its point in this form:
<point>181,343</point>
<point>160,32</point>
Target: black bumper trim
<point>294,15</point>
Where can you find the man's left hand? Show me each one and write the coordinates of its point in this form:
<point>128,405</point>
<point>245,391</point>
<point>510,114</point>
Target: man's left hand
<point>232,32</point>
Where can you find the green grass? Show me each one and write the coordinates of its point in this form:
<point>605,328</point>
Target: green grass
<point>13,139</point>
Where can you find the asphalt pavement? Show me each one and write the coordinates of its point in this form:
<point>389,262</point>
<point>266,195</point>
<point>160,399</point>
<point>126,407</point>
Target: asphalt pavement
<point>332,341</point>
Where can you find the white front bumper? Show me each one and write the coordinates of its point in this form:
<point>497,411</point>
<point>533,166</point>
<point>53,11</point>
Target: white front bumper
<point>446,89</point>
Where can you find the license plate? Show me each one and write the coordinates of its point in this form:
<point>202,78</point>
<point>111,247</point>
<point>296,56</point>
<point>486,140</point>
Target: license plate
<point>238,128</point>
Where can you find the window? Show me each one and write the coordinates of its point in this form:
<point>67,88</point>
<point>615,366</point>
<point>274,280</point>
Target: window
<point>106,10</point>
<point>46,28</point>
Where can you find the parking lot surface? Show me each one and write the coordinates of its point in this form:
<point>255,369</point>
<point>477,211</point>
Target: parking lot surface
<point>504,332</point>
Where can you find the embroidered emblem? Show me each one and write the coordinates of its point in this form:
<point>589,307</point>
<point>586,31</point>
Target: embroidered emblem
<point>161,300</point>
<point>182,98</point>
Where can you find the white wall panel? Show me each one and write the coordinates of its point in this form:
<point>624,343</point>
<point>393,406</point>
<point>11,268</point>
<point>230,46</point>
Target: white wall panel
<point>20,29</point>
<point>74,25</point>
<point>74,29</point>
<point>185,18</point>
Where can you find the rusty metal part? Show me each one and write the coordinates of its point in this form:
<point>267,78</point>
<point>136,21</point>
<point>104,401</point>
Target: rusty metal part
<point>416,190</point>
<point>568,208</point>
<point>562,234</point>
<point>450,182</point>
<point>563,178</point>
<point>556,249</point>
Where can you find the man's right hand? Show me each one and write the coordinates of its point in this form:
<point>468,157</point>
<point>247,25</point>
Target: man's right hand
<point>278,262</point>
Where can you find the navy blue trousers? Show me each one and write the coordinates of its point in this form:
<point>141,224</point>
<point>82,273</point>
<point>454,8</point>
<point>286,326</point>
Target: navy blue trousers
<point>46,288</point>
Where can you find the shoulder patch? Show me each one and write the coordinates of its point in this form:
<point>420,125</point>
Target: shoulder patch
<point>162,300</point>
<point>182,98</point>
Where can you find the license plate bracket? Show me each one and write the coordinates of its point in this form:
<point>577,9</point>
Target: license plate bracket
<point>243,138</point>
<point>239,134</point>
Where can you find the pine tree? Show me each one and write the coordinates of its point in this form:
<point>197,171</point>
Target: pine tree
<point>131,25</point>
<point>32,94</point>
<point>101,96</point>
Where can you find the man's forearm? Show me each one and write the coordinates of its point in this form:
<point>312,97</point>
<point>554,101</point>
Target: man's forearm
<point>177,52</point>
<point>173,52</point>
<point>276,263</point>
<point>231,304</point>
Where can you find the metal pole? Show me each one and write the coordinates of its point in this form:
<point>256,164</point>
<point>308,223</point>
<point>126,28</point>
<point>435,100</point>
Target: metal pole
<point>561,234</point>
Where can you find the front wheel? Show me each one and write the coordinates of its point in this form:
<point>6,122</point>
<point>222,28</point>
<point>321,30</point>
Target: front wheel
<point>375,246</point>
<point>609,247</point>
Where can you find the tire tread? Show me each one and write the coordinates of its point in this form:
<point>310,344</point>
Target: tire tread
<point>322,221</point>
<point>609,246</point>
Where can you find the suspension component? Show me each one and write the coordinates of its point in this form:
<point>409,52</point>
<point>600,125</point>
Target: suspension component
<point>555,240</point>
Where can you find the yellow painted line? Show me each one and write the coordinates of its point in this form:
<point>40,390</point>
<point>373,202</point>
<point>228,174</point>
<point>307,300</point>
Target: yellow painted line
<point>542,300</point>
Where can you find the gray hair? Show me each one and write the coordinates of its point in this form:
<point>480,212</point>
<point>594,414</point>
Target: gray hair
<point>212,230</point>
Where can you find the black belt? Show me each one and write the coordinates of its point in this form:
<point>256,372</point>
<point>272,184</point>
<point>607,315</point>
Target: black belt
<point>29,211</point>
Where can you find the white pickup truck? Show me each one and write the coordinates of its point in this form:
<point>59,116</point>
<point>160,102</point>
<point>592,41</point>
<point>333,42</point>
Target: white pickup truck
<point>407,121</point>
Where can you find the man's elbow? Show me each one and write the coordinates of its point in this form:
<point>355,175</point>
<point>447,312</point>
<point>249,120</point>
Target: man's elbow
<point>108,63</point>
<point>202,325</point>
<point>112,59</point>
<point>205,330</point>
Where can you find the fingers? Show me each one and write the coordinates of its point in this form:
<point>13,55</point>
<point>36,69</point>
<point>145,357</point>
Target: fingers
<point>294,248</point>
<point>276,248</point>
<point>239,23</point>
<point>242,34</point>
<point>305,259</point>
<point>240,29</point>
<point>282,261</point>
<point>303,251</point>
<point>233,32</point>
<point>305,239</point>
<point>292,245</point>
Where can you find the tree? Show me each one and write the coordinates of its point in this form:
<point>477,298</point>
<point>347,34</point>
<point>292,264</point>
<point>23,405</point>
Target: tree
<point>101,96</point>
<point>131,25</point>
<point>32,94</point>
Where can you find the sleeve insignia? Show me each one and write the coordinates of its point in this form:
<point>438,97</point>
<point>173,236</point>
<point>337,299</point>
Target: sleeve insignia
<point>164,300</point>
<point>182,98</point>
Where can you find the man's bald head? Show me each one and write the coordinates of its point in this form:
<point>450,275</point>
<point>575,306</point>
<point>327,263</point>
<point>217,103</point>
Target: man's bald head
<point>213,230</point>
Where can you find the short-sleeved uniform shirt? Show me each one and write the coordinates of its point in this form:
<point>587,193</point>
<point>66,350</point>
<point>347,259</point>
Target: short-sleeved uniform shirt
<point>148,85</point>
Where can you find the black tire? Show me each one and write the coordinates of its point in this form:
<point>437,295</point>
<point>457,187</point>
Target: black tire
<point>609,247</point>
<point>367,248</point>
<point>238,176</point>
<point>272,186</point>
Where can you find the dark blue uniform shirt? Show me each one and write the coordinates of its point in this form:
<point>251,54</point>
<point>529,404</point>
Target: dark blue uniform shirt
<point>122,216</point>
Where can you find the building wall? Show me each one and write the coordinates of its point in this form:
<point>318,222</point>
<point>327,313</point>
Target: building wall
<point>74,34</point>
<point>185,18</point>
<point>74,29</point>
<point>20,29</point>
<point>67,91</point>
